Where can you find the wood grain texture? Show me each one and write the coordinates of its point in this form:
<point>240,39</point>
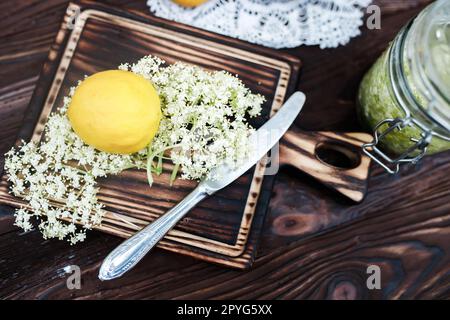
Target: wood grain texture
<point>315,243</point>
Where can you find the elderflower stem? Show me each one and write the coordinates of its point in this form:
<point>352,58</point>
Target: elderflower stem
<point>149,167</point>
<point>173,176</point>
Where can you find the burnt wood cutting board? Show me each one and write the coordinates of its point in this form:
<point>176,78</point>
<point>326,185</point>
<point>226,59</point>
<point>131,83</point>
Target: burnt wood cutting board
<point>225,228</point>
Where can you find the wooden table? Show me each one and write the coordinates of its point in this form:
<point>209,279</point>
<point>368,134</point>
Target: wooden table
<point>403,225</point>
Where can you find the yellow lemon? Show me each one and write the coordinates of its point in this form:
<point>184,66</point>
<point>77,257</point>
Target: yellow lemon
<point>189,3</point>
<point>115,111</point>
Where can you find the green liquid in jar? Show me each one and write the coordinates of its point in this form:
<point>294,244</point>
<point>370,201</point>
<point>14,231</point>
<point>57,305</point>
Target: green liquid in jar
<point>376,103</point>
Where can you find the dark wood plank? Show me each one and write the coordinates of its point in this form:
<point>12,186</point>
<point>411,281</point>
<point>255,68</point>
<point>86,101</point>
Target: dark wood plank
<point>405,230</point>
<point>412,251</point>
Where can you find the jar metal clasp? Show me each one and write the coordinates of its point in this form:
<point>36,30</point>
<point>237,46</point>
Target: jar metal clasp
<point>412,155</point>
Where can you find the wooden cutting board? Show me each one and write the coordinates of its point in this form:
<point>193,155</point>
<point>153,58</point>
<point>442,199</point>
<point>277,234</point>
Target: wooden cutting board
<point>225,228</point>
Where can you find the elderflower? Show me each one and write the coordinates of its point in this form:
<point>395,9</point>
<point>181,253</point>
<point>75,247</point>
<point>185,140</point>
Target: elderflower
<point>203,125</point>
<point>204,116</point>
<point>57,179</point>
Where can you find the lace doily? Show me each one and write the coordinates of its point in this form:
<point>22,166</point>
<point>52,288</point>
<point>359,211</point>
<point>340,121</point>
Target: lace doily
<point>273,23</point>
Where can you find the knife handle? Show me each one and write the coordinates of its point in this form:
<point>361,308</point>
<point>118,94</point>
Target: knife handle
<point>132,250</point>
<point>332,158</point>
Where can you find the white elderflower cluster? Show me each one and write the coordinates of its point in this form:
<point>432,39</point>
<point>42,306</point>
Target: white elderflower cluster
<point>203,125</point>
<point>204,116</point>
<point>58,180</point>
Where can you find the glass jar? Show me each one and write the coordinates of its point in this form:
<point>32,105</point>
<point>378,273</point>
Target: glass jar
<point>405,97</point>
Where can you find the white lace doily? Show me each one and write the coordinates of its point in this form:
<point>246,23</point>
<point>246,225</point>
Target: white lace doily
<point>273,23</point>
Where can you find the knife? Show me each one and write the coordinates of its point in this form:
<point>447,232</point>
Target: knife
<point>132,250</point>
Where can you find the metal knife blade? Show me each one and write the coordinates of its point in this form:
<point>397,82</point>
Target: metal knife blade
<point>263,139</point>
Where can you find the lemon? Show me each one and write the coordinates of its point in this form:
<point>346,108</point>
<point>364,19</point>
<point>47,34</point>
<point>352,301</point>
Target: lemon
<point>189,3</point>
<point>115,111</point>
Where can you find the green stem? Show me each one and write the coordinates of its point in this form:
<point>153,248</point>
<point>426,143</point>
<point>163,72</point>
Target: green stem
<point>159,166</point>
<point>149,167</point>
<point>173,176</point>
<point>151,155</point>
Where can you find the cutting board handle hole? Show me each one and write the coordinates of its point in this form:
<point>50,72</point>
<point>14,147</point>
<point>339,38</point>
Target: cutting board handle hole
<point>338,155</point>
